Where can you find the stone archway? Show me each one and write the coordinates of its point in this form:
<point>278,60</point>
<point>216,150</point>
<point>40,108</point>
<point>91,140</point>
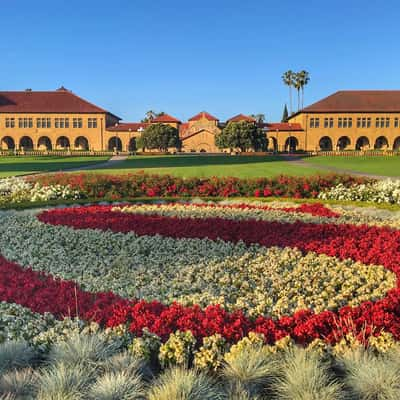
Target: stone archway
<point>62,143</point>
<point>291,144</point>
<point>81,143</point>
<point>44,143</point>
<point>203,148</point>
<point>114,143</point>
<point>343,143</point>
<point>132,144</point>
<point>362,143</point>
<point>26,143</point>
<point>396,144</point>
<point>272,144</point>
<point>7,143</point>
<point>381,143</point>
<point>325,144</point>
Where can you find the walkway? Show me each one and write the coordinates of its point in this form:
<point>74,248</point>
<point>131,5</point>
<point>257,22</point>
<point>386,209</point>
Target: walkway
<point>114,160</point>
<point>302,162</point>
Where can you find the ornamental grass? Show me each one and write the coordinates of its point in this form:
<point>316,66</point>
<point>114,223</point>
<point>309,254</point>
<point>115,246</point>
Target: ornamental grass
<point>185,384</point>
<point>15,355</point>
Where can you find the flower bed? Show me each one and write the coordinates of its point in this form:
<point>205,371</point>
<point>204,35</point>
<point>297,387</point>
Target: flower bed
<point>115,187</point>
<point>17,190</point>
<point>229,269</point>
<point>387,191</point>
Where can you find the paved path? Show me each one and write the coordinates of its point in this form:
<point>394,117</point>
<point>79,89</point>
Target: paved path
<point>301,162</point>
<point>114,160</point>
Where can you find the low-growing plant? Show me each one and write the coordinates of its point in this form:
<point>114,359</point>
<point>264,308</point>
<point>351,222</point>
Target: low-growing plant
<point>82,349</point>
<point>304,376</point>
<point>118,385</point>
<point>185,384</point>
<point>64,382</point>
<point>16,354</point>
<point>126,361</point>
<point>251,370</point>
<point>372,377</point>
<point>20,383</point>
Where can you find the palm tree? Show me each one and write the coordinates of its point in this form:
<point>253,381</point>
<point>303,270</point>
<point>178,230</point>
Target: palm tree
<point>150,115</point>
<point>304,78</point>
<point>297,85</point>
<point>260,118</point>
<point>288,79</point>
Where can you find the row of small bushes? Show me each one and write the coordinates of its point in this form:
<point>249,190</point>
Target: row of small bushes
<point>90,367</point>
<point>115,187</point>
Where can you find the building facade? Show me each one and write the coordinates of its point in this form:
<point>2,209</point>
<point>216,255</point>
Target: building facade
<point>55,120</point>
<point>61,120</point>
<point>350,120</point>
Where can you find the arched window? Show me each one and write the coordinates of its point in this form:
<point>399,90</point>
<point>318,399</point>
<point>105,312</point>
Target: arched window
<point>81,143</point>
<point>325,144</point>
<point>343,143</point>
<point>62,142</point>
<point>362,143</point>
<point>272,144</point>
<point>291,144</point>
<point>114,143</point>
<point>132,145</point>
<point>396,144</point>
<point>26,142</point>
<point>7,143</point>
<point>381,143</point>
<point>44,143</point>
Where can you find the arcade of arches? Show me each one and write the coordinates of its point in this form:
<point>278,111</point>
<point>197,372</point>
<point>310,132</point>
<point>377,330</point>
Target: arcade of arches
<point>44,143</point>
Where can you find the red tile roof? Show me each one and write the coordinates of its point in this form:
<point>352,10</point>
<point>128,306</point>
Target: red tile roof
<point>205,115</point>
<point>358,101</point>
<point>182,128</point>
<point>125,126</point>
<point>282,126</point>
<point>58,101</point>
<point>241,117</point>
<point>165,118</point>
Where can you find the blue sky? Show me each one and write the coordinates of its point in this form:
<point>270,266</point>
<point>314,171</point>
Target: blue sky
<point>181,57</point>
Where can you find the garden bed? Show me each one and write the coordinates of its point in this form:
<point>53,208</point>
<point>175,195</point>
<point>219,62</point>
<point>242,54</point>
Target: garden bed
<point>200,283</point>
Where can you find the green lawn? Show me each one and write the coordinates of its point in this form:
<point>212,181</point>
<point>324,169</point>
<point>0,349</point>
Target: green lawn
<point>11,165</point>
<point>377,165</point>
<point>203,166</point>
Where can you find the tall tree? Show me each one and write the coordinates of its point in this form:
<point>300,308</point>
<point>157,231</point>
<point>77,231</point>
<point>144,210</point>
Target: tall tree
<point>288,79</point>
<point>160,137</point>
<point>297,86</point>
<point>150,115</point>
<point>304,78</point>
<point>260,118</point>
<point>243,135</point>
<point>285,114</point>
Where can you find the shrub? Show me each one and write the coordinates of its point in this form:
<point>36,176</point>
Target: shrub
<point>19,383</point>
<point>16,354</point>
<point>372,377</point>
<point>304,376</point>
<point>118,385</point>
<point>184,384</point>
<point>114,187</point>
<point>250,370</point>
<point>81,349</point>
<point>126,361</point>
<point>62,382</point>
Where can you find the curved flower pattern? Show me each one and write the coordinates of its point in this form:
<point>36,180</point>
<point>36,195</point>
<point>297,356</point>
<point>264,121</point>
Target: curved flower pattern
<point>166,268</point>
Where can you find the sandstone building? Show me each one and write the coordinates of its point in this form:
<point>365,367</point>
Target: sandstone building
<point>347,120</point>
<point>61,120</point>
